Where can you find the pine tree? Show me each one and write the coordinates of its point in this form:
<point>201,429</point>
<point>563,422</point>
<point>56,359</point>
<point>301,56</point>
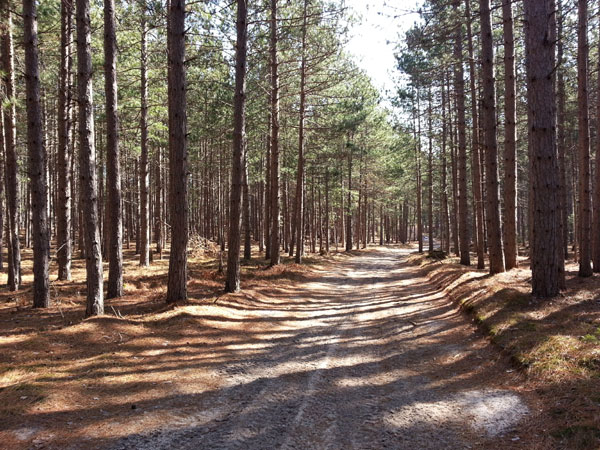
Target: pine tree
<point>37,159</point>
<point>87,163</point>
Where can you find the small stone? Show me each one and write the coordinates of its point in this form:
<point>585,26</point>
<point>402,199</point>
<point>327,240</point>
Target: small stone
<point>134,406</point>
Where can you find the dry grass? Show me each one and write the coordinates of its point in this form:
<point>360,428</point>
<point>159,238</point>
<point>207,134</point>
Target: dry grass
<point>556,342</point>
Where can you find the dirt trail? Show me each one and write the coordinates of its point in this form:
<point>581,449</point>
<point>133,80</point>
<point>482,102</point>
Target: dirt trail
<point>369,355</point>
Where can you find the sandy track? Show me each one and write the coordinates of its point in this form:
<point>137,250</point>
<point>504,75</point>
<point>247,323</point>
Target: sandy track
<point>368,356</point>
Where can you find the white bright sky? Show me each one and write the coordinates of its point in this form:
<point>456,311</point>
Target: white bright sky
<point>372,41</point>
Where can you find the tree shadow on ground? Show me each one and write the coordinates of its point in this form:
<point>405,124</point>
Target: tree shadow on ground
<point>344,360</point>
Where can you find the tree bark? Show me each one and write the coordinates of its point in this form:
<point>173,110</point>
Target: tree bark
<point>300,172</point>
<point>583,142</point>
<point>37,159</point>
<point>430,173</point>
<point>475,160</point>
<point>275,169</point>
<point>547,262</point>
<point>113,172</point>
<point>246,209</point>
<point>349,204</point>
<point>178,154</point>
<point>63,211</point>
<point>510,139</point>
<point>463,197</point>
<point>268,195</point>
<point>12,165</point>
<point>144,172</point>
<point>596,202</point>
<point>87,163</point>
<point>2,185</point>
<point>158,180</point>
<point>232,283</point>
<point>417,138</point>
<point>445,212</point>
<point>561,129</point>
<point>490,143</point>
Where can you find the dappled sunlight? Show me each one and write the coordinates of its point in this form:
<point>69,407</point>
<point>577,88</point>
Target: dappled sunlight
<point>346,349</point>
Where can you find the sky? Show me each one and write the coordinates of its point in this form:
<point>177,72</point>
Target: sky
<point>372,41</point>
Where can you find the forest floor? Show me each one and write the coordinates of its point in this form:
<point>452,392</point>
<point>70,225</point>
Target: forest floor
<point>556,342</point>
<point>361,350</point>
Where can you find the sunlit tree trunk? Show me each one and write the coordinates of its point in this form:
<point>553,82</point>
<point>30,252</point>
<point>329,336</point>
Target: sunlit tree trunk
<point>37,159</point>
<point>63,210</point>
<point>12,165</point>
<point>87,162</point>
<point>300,172</point>
<point>178,154</point>
<point>232,283</point>
<point>144,172</point>
<point>113,172</point>
<point>430,173</point>
<point>475,147</point>
<point>488,116</point>
<point>463,197</point>
<point>510,139</point>
<point>596,202</point>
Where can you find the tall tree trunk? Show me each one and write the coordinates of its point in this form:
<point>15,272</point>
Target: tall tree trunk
<point>37,159</point>
<point>232,283</point>
<point>463,197</point>
<point>144,172</point>
<point>12,165</point>
<point>561,128</point>
<point>596,202</point>
<point>475,160</point>
<point>87,162</point>
<point>490,141</point>
<point>2,185</point>
<point>454,170</point>
<point>113,173</point>
<point>275,170</point>
<point>547,261</point>
<point>583,141</point>
<point>510,139</point>
<point>63,211</point>
<point>246,210</point>
<point>300,173</point>
<point>349,204</point>
<point>327,210</point>
<point>445,211</point>
<point>178,153</point>
<point>430,174</point>
<point>268,195</point>
<point>158,181</point>
<point>419,212</point>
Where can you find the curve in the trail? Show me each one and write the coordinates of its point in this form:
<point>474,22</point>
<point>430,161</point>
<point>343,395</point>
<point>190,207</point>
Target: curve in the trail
<point>369,356</point>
